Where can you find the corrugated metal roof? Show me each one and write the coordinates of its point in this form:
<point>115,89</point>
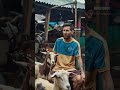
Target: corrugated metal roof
<point>61,2</point>
<point>39,17</point>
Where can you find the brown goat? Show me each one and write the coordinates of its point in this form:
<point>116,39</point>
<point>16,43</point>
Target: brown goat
<point>45,68</point>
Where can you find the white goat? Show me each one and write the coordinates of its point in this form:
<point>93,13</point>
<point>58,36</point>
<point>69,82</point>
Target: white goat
<point>37,68</point>
<point>61,80</point>
<point>44,84</point>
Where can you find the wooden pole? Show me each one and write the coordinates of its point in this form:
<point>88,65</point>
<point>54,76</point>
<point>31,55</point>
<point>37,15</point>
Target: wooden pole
<point>27,15</point>
<point>75,14</point>
<point>105,19</point>
<point>77,31</point>
<point>79,20</point>
<point>98,17</point>
<point>48,12</point>
<point>79,26</point>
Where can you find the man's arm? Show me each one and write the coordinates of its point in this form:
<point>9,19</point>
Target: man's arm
<point>106,77</point>
<point>81,66</point>
<point>80,62</point>
<point>103,68</point>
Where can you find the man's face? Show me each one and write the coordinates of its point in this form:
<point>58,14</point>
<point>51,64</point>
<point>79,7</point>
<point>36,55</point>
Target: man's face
<point>88,18</point>
<point>88,15</point>
<point>67,33</point>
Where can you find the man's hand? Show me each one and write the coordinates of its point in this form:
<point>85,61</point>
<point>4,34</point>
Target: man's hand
<point>78,82</point>
<point>83,76</point>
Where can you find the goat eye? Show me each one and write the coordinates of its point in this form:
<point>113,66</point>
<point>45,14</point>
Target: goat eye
<point>60,78</point>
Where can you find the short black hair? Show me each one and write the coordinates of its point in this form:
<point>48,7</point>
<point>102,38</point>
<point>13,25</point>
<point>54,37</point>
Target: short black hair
<point>69,24</point>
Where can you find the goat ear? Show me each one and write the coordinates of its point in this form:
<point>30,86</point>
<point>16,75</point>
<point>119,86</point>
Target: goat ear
<point>44,53</point>
<point>53,75</point>
<point>72,73</point>
<point>56,54</point>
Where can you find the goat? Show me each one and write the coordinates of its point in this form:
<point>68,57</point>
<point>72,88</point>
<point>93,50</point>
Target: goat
<point>51,56</point>
<point>42,70</point>
<point>37,68</point>
<point>61,80</point>
<point>42,84</point>
<point>40,87</point>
